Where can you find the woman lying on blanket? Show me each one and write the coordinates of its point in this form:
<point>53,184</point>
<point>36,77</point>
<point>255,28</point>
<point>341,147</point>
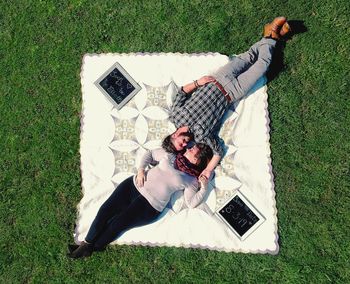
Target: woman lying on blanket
<point>140,199</point>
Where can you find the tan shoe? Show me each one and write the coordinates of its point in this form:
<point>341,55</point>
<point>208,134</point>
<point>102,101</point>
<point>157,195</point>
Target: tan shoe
<point>277,23</point>
<point>285,29</point>
<point>267,30</point>
<point>272,29</point>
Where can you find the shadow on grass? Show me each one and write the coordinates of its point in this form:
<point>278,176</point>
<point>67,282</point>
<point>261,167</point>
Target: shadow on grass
<point>277,64</point>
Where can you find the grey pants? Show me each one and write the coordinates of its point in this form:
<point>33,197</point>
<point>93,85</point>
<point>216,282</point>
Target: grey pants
<point>244,70</point>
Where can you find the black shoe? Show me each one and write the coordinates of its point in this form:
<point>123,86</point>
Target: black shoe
<point>100,249</point>
<point>72,248</point>
<point>84,250</point>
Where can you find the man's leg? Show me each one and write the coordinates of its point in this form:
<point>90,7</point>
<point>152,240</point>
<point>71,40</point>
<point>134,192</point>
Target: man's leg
<point>246,80</point>
<point>230,75</point>
<point>239,63</point>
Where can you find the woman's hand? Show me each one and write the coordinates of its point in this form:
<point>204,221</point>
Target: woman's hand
<point>205,79</point>
<point>203,181</point>
<point>140,177</point>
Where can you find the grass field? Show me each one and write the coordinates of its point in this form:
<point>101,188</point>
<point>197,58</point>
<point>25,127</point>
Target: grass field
<point>41,49</point>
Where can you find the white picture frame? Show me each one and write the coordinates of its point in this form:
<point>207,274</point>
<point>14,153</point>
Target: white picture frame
<point>126,75</point>
<point>252,208</point>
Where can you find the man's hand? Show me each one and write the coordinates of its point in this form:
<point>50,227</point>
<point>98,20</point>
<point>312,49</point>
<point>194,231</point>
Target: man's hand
<point>140,177</point>
<point>181,130</point>
<point>206,173</point>
<point>205,79</point>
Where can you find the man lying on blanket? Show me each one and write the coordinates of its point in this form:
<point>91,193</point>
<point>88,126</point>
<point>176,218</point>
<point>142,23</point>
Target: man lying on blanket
<point>199,106</point>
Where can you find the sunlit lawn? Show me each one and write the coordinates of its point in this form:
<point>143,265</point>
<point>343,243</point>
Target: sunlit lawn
<point>41,49</point>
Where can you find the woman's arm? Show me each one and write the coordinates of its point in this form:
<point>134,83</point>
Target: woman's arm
<point>151,157</point>
<point>193,196</point>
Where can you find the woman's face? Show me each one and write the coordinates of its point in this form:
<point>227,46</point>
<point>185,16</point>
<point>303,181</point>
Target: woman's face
<point>192,155</point>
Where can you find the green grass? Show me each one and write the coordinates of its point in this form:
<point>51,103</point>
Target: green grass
<point>41,49</point>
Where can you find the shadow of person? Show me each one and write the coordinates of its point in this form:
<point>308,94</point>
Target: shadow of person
<point>277,65</point>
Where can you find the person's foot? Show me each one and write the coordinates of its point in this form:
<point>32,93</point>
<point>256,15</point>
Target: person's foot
<point>84,250</point>
<point>72,248</point>
<point>285,29</point>
<point>272,30</point>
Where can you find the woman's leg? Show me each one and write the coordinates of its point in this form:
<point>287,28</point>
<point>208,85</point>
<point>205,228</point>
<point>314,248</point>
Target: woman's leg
<point>139,213</point>
<point>121,198</point>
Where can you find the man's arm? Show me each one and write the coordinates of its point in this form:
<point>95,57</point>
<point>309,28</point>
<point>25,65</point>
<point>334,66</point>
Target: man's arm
<point>207,172</point>
<point>182,96</point>
<point>189,88</point>
<point>213,142</point>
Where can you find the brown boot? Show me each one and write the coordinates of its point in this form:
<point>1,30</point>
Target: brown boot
<point>272,30</point>
<point>285,29</point>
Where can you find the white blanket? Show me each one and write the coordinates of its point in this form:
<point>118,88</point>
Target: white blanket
<point>113,141</point>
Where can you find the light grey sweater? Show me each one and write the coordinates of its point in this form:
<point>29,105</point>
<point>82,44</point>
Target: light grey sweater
<point>163,180</point>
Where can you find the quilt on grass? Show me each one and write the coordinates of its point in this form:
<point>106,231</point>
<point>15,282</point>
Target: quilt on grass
<point>113,141</point>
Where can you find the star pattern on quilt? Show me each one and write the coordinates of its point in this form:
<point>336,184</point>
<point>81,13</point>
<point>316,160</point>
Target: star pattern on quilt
<point>124,129</point>
<point>157,129</point>
<point>222,196</point>
<point>124,161</point>
<point>157,96</point>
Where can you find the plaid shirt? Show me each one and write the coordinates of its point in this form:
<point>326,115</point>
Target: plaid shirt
<point>201,111</point>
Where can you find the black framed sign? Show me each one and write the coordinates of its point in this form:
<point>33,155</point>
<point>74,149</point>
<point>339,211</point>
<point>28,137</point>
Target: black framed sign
<point>117,85</point>
<point>240,216</point>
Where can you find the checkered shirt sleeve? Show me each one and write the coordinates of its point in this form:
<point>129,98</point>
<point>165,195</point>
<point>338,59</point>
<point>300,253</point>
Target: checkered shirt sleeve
<point>176,108</point>
<point>214,143</point>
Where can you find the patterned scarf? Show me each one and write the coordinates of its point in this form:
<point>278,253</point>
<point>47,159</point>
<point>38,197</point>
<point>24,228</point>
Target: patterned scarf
<point>183,165</point>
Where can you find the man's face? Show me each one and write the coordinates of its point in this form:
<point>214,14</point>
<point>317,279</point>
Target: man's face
<point>180,142</point>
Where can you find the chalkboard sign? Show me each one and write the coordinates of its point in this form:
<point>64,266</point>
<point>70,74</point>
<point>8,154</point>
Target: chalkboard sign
<point>240,216</point>
<point>117,85</point>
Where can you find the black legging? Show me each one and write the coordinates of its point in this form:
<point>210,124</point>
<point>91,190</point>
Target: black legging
<point>124,209</point>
